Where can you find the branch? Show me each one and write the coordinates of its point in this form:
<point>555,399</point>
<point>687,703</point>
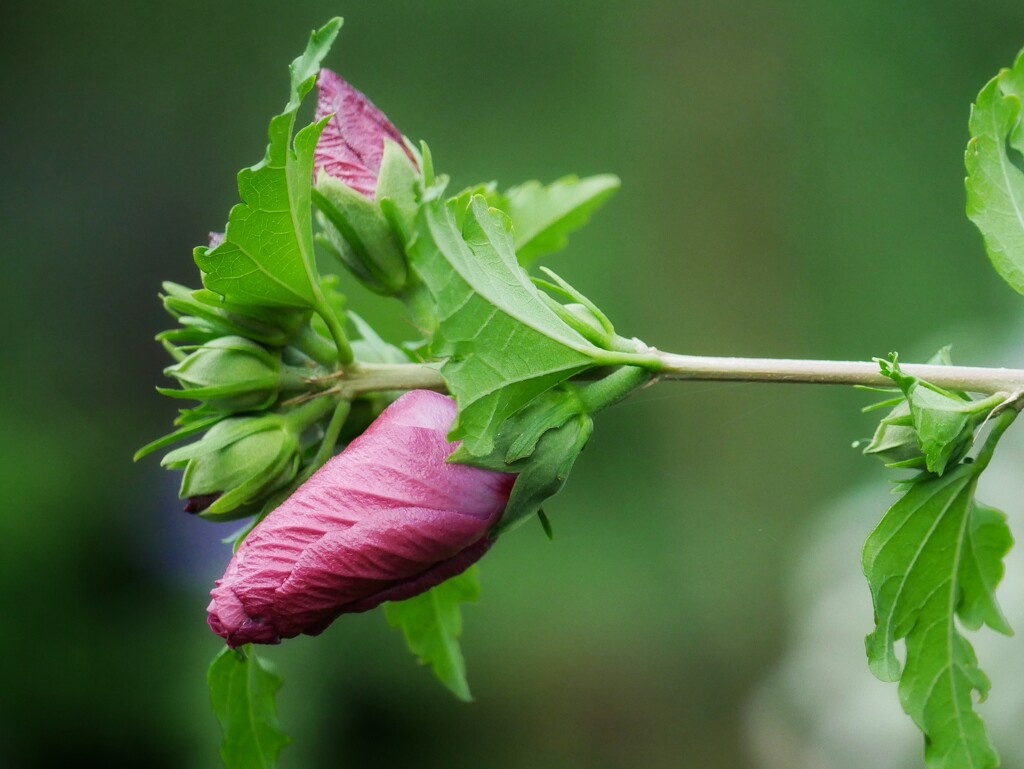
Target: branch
<point>380,377</point>
<point>970,378</point>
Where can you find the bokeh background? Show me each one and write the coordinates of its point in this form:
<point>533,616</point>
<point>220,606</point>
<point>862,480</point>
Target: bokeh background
<point>792,186</point>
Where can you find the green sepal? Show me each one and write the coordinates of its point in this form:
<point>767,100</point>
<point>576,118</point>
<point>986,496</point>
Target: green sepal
<point>396,190</point>
<point>432,624</point>
<point>995,171</point>
<point>243,688</point>
<point>186,431</point>
<point>356,232</point>
<point>543,216</point>
<point>208,313</point>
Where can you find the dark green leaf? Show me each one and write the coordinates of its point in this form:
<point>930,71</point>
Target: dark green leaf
<point>934,555</point>
<point>995,172</point>
<point>432,624</point>
<point>543,216</point>
<point>242,690</point>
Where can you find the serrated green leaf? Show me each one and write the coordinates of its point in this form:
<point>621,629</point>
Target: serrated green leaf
<point>432,624</point>
<point>995,171</point>
<point>937,554</point>
<point>502,344</point>
<point>242,691</point>
<point>267,256</point>
<point>981,569</point>
<point>543,216</point>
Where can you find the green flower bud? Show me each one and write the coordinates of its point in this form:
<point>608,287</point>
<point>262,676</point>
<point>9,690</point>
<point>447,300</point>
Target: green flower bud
<point>206,314</point>
<point>238,461</point>
<point>895,440</point>
<point>229,373</point>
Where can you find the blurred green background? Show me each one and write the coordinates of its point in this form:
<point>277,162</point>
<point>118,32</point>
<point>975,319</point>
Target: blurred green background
<point>792,186</point>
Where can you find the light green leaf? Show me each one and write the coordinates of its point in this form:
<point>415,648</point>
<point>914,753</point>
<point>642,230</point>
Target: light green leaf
<point>995,172</point>
<point>267,255</point>
<point>934,555</point>
<point>503,345</point>
<point>432,624</point>
<point>543,216</point>
<point>242,690</point>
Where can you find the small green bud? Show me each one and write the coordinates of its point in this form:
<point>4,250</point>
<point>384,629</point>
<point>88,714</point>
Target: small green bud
<point>229,373</point>
<point>932,426</point>
<point>208,315</point>
<point>895,440</point>
<point>238,461</point>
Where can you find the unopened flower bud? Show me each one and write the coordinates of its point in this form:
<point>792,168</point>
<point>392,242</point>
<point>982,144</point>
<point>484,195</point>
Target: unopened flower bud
<point>241,459</point>
<point>351,146</point>
<point>384,520</point>
<point>361,159</point>
<point>229,373</point>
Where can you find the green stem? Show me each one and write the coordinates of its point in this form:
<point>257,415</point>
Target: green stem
<point>306,415</point>
<point>330,439</point>
<point>695,367</point>
<point>326,312</point>
<point>999,424</point>
<point>315,347</point>
<point>614,387</point>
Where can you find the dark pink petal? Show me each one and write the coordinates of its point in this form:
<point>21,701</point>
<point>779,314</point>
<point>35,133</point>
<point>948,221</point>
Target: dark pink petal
<point>385,519</point>
<point>352,143</point>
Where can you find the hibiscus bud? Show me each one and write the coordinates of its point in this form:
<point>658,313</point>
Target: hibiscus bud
<point>239,459</point>
<point>384,520</point>
<point>351,146</point>
<point>361,167</point>
<point>229,373</point>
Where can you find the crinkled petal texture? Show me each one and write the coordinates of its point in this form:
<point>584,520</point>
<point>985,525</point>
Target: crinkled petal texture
<point>352,143</point>
<point>384,520</point>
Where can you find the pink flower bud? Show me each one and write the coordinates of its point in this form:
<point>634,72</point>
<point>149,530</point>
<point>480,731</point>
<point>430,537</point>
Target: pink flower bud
<point>386,519</point>
<point>352,143</point>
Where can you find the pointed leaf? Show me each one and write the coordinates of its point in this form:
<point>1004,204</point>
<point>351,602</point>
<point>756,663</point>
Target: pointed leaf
<point>543,216</point>
<point>242,690</point>
<point>432,624</point>
<point>995,171</point>
<point>927,560</point>
<point>267,256</point>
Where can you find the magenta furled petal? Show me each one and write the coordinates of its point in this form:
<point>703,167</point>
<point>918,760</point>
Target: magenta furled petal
<point>384,520</point>
<point>352,143</point>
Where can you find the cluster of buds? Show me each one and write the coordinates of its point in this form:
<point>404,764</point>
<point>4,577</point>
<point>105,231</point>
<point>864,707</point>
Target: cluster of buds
<point>389,516</point>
